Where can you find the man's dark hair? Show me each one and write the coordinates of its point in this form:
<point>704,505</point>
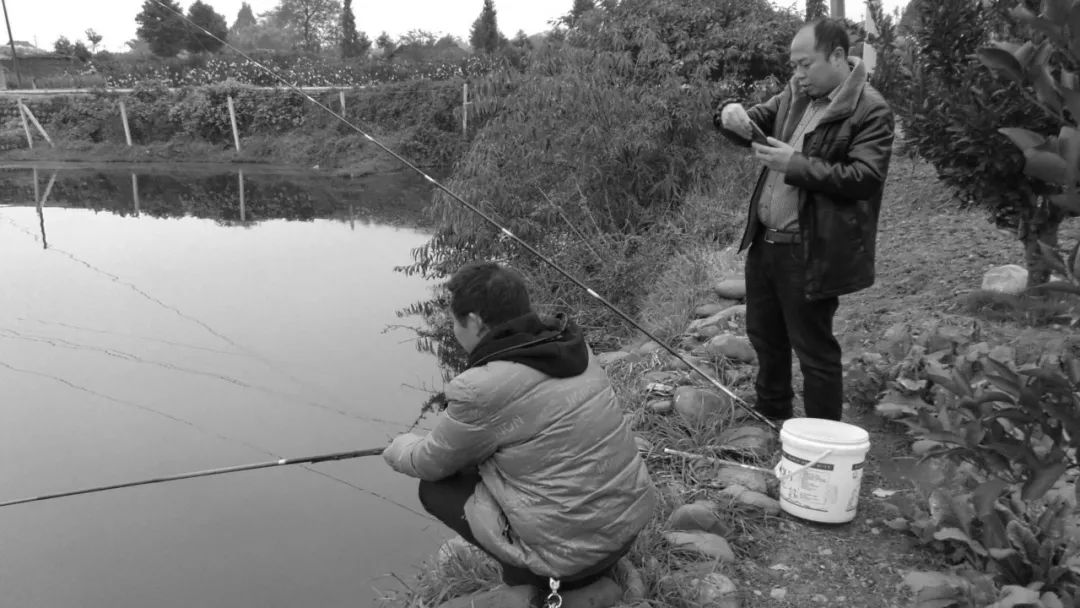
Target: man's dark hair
<point>494,292</point>
<point>829,34</point>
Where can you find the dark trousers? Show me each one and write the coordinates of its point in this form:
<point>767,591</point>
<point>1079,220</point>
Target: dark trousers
<point>446,499</point>
<point>779,318</point>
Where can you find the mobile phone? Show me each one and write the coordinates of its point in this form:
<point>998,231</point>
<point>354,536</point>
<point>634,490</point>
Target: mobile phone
<point>757,135</point>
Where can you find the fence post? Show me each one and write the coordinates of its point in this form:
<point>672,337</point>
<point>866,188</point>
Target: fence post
<point>232,118</point>
<point>341,96</point>
<point>127,129</point>
<point>26,126</point>
<point>37,124</point>
<point>465,108</point>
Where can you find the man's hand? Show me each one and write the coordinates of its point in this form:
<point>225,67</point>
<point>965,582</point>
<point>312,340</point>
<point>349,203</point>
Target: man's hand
<point>399,453</point>
<point>734,118</point>
<point>775,156</point>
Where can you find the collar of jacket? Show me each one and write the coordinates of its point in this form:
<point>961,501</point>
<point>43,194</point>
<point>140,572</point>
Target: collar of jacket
<point>554,346</point>
<point>843,99</point>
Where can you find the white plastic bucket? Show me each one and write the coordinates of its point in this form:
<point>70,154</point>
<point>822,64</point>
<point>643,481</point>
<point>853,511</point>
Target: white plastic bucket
<point>820,468</point>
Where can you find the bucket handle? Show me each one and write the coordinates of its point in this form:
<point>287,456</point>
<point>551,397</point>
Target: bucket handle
<point>783,478</point>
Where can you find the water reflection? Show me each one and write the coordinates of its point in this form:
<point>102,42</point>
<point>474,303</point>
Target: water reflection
<point>144,332</point>
<point>229,196</point>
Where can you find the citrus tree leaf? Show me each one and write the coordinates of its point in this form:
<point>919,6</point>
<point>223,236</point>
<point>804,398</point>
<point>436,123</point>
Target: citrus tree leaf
<point>1002,62</point>
<point>1042,480</point>
<point>1045,166</point>
<point>1023,138</point>
<point>987,494</point>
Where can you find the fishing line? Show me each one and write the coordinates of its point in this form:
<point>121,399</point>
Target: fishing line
<point>197,427</point>
<point>302,401</point>
<point>713,381</point>
<point>133,358</point>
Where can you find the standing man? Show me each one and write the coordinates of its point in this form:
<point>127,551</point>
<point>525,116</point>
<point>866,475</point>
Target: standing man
<point>813,216</point>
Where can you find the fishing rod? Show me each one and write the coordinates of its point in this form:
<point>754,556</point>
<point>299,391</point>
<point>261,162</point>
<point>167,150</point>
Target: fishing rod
<point>205,473</point>
<point>506,231</point>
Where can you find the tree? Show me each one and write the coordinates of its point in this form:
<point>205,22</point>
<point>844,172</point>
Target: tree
<point>385,43</point>
<point>80,51</point>
<point>1040,65</point>
<point>350,40</point>
<point>580,8</point>
<point>485,36</point>
<point>63,46</point>
<point>245,18</point>
<point>954,110</point>
<point>815,9</point>
<point>162,26</point>
<point>94,38</point>
<point>314,21</point>
<point>521,41</point>
<point>205,18</point>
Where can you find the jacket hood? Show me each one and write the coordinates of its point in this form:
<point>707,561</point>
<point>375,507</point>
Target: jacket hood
<point>554,346</point>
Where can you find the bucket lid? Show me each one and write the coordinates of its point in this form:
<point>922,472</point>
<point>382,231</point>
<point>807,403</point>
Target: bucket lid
<point>821,429</point>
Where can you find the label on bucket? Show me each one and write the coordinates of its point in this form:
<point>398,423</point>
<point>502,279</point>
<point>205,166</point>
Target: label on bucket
<point>814,488</point>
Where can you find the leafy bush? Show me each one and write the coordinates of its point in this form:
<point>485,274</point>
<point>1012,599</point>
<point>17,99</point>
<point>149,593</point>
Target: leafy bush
<point>953,94</point>
<point>1012,432</point>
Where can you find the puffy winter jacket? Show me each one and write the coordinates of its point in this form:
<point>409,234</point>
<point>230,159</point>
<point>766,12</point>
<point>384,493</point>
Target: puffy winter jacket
<point>563,486</point>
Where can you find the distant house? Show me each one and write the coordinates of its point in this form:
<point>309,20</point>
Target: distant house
<point>37,68</point>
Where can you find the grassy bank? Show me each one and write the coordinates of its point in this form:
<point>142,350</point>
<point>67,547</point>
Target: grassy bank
<point>421,120</point>
<point>783,561</point>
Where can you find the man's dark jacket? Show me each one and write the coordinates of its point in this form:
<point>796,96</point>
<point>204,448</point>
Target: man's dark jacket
<point>840,174</point>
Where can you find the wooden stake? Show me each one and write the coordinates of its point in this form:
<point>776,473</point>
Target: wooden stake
<point>465,108</point>
<point>37,124</point>
<point>26,126</point>
<point>232,118</point>
<point>127,129</point>
<point>341,97</point>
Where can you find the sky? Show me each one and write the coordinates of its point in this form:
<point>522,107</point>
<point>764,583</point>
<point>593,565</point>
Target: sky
<point>41,22</point>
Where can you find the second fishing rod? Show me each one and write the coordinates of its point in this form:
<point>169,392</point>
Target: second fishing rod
<point>490,220</point>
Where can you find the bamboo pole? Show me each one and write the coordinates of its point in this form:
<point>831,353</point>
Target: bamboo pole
<point>37,191</point>
<point>11,41</point>
<point>26,126</point>
<point>124,118</point>
<point>37,124</point>
<point>232,118</point>
<point>341,98</point>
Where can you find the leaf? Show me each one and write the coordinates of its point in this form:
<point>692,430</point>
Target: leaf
<point>1061,286</point>
<point>899,524</point>
<point>999,553</point>
<point>1023,138</point>
<point>1002,62</point>
<point>1057,11</point>
<point>1016,595</point>
<point>1052,257</point>
<point>1070,201</point>
<point>895,410</point>
<point>1045,166</point>
<point>1020,13</point>
<point>958,535</point>
<point>1069,141</point>
<point>1051,600</point>
<point>987,494</point>
<point>911,385</point>
<point>1071,97</point>
<point>1041,482</point>
<point>1045,87</point>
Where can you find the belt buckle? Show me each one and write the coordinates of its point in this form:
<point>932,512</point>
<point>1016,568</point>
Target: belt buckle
<point>766,236</point>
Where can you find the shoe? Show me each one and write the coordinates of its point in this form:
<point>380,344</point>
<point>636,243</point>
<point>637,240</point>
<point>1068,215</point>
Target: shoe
<point>772,416</point>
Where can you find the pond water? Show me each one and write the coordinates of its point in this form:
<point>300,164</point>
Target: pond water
<point>154,323</point>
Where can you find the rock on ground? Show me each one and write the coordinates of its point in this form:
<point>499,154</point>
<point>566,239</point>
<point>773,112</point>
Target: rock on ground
<point>707,544</point>
<point>702,587</point>
<point>736,348</point>
<point>757,501</point>
<point>736,476</point>
<point>696,405</point>
<point>1009,279</point>
<point>520,596</point>
<point>754,440</point>
<point>698,516</point>
<point>731,289</point>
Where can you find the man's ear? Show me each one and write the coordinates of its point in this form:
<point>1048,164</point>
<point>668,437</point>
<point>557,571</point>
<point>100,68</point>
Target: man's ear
<point>481,327</point>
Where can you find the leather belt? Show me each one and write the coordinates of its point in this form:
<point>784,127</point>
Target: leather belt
<point>777,237</point>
